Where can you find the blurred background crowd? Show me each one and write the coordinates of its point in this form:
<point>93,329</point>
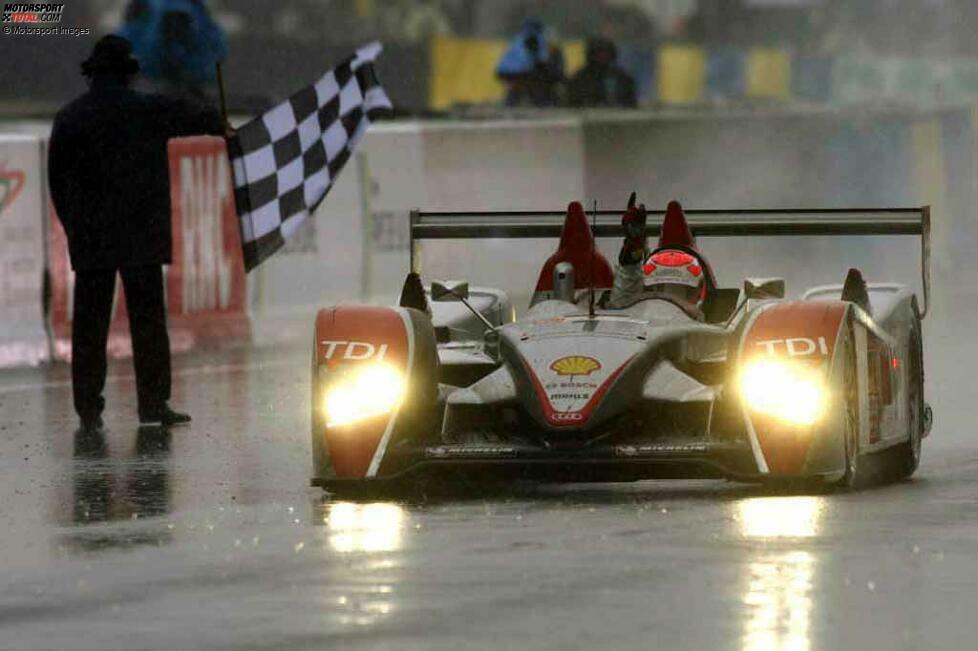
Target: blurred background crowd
<point>941,27</point>
<point>448,54</point>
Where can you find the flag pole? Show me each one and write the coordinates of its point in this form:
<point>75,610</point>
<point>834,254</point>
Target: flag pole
<point>222,98</point>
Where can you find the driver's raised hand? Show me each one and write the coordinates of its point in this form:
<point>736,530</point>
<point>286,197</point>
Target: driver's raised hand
<point>633,225</point>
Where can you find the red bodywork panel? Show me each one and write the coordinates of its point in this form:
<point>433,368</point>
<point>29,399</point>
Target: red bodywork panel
<point>576,247</point>
<point>675,231</point>
<point>803,332</point>
<point>356,335</point>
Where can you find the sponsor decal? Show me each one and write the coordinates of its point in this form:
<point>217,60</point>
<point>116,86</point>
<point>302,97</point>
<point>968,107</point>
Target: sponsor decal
<point>11,183</point>
<point>659,448</point>
<point>207,267</point>
<point>669,272</point>
<point>567,417</point>
<point>445,451</point>
<point>569,396</point>
<point>353,351</point>
<point>795,346</point>
<point>32,12</point>
<point>585,386</point>
<point>575,365</point>
<point>390,232</point>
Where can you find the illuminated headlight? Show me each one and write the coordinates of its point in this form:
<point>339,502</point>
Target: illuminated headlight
<point>789,392</point>
<point>363,391</point>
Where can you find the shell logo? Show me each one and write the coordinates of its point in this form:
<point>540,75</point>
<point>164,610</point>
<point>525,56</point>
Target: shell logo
<point>575,365</point>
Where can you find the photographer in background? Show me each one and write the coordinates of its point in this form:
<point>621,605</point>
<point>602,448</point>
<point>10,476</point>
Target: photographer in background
<point>601,82</point>
<point>177,43</point>
<point>532,68</point>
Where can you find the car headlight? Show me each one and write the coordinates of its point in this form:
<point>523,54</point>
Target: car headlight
<point>362,391</point>
<point>789,392</point>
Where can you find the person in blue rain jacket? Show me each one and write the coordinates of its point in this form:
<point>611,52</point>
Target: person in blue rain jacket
<point>177,43</point>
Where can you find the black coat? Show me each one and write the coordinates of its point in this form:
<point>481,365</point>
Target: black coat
<point>597,85</point>
<point>109,174</point>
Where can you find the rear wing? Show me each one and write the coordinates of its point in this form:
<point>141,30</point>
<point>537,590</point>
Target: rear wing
<point>703,223</point>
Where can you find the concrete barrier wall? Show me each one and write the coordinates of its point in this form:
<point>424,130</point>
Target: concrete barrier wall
<point>23,338</point>
<point>356,247</point>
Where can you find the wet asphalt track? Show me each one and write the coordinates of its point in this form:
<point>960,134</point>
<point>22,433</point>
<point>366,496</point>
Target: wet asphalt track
<point>210,538</point>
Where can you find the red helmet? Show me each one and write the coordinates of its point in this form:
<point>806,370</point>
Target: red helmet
<point>677,274</point>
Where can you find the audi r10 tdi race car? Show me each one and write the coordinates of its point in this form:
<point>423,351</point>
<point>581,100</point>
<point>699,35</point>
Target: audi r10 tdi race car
<point>594,383</point>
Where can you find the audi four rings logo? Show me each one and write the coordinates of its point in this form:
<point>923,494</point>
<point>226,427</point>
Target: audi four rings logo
<point>796,347</point>
<point>568,417</point>
<point>354,351</point>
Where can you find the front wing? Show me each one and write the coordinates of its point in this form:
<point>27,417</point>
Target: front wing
<point>677,458</point>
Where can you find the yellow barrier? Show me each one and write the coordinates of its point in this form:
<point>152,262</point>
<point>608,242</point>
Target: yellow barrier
<point>769,73</point>
<point>682,74</point>
<point>463,70</point>
<point>573,56</point>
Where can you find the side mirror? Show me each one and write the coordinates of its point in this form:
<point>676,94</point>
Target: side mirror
<point>564,282</point>
<point>449,290</point>
<point>757,288</point>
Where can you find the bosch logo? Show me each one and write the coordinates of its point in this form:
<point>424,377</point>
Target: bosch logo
<point>795,347</point>
<point>567,417</point>
<point>353,351</point>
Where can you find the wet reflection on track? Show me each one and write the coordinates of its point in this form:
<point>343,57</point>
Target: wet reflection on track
<point>106,489</point>
<point>364,527</point>
<point>778,590</point>
<point>376,531</point>
<point>211,538</point>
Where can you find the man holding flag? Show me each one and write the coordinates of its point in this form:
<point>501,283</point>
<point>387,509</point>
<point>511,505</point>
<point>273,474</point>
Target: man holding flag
<point>108,171</point>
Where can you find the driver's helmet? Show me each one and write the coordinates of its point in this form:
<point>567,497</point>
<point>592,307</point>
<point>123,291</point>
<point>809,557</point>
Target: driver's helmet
<point>676,274</point>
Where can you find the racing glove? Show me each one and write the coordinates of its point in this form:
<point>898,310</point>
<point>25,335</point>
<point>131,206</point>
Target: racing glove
<point>633,224</point>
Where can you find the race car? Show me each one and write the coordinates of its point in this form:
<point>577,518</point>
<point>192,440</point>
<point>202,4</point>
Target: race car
<point>586,385</point>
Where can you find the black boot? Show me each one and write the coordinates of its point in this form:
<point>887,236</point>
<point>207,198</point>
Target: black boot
<point>163,417</point>
<point>91,425</point>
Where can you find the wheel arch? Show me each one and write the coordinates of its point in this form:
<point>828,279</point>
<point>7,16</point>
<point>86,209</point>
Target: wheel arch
<point>807,332</point>
<point>349,335</point>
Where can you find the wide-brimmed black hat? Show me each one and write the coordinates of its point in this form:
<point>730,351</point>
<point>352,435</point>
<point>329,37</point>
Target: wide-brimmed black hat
<point>111,55</point>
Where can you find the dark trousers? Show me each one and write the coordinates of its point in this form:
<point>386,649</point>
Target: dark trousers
<point>94,291</point>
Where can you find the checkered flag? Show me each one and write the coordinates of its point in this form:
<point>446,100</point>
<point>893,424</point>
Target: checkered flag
<point>286,161</point>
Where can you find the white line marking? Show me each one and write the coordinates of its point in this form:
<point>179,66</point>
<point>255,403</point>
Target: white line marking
<point>755,445</point>
<point>382,447</point>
